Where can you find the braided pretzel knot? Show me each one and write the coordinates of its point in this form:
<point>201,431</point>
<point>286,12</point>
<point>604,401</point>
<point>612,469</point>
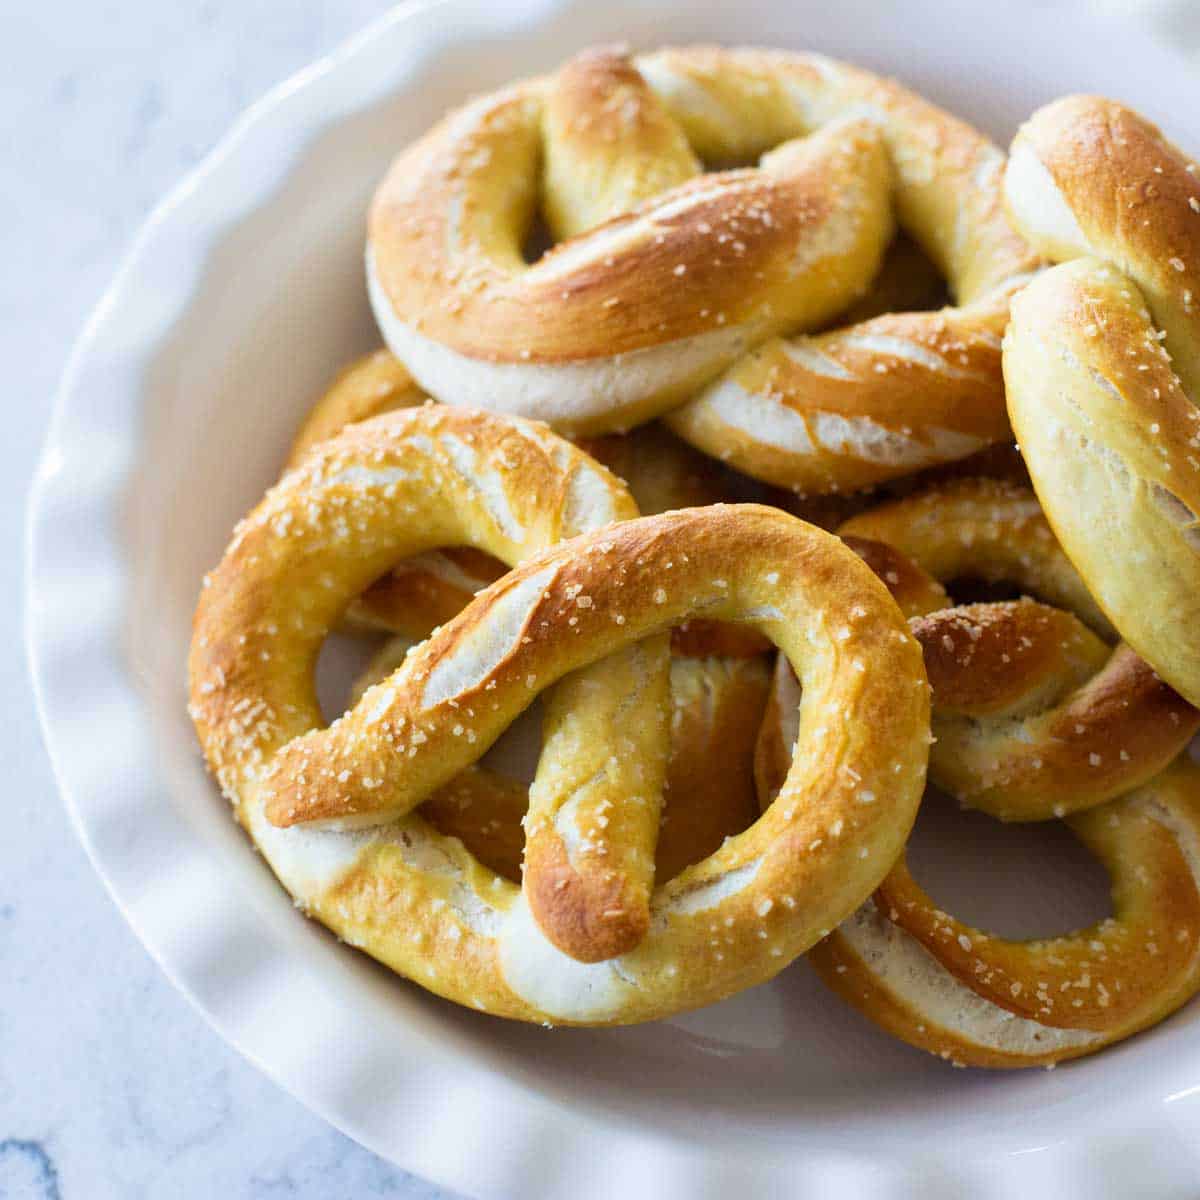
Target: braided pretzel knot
<point>1103,365</point>
<point>717,709</point>
<point>419,901</point>
<point>1034,714</point>
<point>658,291</point>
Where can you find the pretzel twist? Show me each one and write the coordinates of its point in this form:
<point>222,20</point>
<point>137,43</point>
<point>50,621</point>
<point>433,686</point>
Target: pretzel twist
<point>1102,362</point>
<point>731,261</point>
<point>708,794</point>
<point>418,901</point>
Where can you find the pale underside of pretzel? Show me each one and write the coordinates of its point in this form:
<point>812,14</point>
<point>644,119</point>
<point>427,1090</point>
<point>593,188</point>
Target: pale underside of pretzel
<point>584,337</point>
<point>419,901</point>
<point>1034,715</point>
<point>708,794</point>
<point>1102,363</point>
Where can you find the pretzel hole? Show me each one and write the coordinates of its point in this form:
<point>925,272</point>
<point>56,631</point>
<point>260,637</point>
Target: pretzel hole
<point>907,281</point>
<point>974,589</point>
<point>1014,881</point>
<point>342,661</point>
<point>538,239</point>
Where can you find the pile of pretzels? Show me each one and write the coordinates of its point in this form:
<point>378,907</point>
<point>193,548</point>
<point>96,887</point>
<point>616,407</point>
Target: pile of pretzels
<point>697,408</point>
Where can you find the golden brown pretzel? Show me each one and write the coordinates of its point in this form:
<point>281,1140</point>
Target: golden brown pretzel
<point>572,339</point>
<point>419,901</point>
<point>961,992</point>
<point>511,487</point>
<point>1102,363</point>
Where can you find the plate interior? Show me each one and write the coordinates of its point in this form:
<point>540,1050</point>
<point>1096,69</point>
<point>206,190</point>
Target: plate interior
<point>278,304</point>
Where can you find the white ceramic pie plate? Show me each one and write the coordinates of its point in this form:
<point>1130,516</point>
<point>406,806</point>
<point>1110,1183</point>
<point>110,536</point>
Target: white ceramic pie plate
<point>241,296</point>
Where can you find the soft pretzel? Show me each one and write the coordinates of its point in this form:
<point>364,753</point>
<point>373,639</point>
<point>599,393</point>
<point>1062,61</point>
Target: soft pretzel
<point>386,881</point>
<point>396,486</point>
<point>708,794</point>
<point>1102,362</point>
<point>729,261</point>
<point>1034,715</point>
<point>981,1000</point>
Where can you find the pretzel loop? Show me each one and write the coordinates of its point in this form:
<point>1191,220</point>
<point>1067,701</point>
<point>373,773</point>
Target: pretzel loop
<point>732,260</point>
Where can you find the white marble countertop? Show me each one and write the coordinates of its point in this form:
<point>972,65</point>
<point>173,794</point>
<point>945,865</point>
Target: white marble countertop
<point>110,1084</point>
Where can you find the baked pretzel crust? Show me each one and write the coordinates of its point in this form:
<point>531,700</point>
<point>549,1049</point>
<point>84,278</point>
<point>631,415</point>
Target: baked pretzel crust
<point>1102,362</point>
<point>415,479</point>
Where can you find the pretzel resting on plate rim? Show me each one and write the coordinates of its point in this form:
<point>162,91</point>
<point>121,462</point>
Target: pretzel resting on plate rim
<point>331,807</point>
<point>1102,362</point>
<point>740,263</point>
<point>919,972</point>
